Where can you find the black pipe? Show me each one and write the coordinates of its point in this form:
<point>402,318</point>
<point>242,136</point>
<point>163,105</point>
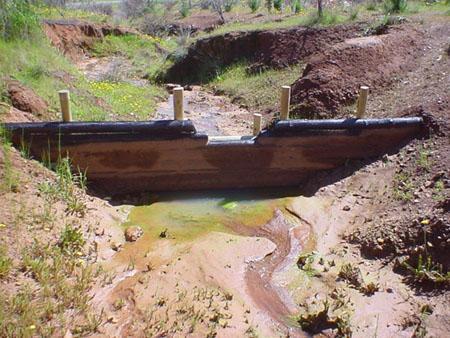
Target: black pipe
<point>153,128</point>
<point>293,127</point>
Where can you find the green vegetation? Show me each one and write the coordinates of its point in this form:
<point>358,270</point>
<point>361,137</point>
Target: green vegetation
<point>63,282</point>
<point>305,262</point>
<point>10,178</point>
<point>71,240</point>
<point>394,6</point>
<point>403,187</point>
<point>326,318</point>
<point>426,270</point>
<point>254,90</point>
<point>423,159</point>
<point>351,274</point>
<point>149,56</point>
<point>68,187</point>
<point>254,5</point>
<point>18,19</point>
<point>65,13</point>
<point>5,263</point>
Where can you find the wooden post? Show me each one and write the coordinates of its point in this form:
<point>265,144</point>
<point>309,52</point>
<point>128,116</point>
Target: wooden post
<point>257,119</point>
<point>285,101</point>
<point>178,108</point>
<point>64,100</point>
<point>362,101</point>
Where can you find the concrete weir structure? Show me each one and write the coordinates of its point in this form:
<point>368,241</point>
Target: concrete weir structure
<point>169,155</point>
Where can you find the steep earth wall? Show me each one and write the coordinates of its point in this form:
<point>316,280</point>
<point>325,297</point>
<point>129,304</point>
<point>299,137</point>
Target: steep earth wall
<point>75,38</point>
<point>269,48</point>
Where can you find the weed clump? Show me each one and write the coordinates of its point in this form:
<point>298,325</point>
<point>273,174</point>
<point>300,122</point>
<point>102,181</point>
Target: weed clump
<point>351,274</point>
<point>71,240</point>
<point>69,187</point>
<point>426,271</point>
<point>315,322</point>
<point>5,263</point>
<point>305,263</point>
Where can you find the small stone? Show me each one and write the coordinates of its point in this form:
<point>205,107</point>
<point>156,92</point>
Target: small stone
<point>116,246</point>
<point>389,290</point>
<point>223,323</point>
<point>346,208</point>
<point>380,240</point>
<point>99,231</point>
<point>112,320</point>
<point>133,233</point>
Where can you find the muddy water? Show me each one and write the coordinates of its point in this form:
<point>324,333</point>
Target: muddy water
<point>181,221</point>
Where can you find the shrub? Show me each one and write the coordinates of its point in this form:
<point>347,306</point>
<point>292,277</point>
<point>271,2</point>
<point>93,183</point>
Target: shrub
<point>278,5</point>
<point>228,5</point>
<point>371,6</point>
<point>394,6</point>
<point>353,14</point>
<point>296,6</point>
<point>254,5</point>
<point>18,19</point>
<point>184,9</point>
<point>269,4</point>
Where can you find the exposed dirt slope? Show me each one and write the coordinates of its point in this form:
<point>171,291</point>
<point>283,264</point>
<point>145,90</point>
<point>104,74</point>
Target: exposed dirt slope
<point>332,78</point>
<point>74,38</point>
<point>25,99</point>
<point>277,49</point>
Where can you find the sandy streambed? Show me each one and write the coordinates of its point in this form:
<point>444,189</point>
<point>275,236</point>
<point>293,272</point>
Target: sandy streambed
<point>204,266</point>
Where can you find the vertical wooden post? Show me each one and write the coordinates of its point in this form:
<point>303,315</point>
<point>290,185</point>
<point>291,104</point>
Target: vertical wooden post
<point>285,101</point>
<point>257,119</point>
<point>64,100</point>
<point>362,101</point>
<point>178,108</point>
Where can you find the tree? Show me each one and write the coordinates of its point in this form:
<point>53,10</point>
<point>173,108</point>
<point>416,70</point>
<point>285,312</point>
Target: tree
<point>218,7</point>
<point>319,8</point>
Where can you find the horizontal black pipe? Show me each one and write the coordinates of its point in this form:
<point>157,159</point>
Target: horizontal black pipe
<point>292,127</point>
<point>176,129</point>
<point>156,128</point>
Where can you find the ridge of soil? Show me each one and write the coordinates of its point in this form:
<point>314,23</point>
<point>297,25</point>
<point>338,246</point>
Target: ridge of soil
<point>25,99</point>
<point>74,38</point>
<point>267,48</point>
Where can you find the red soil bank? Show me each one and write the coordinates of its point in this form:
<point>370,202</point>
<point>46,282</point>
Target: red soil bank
<point>332,78</point>
<point>270,48</point>
<point>75,38</point>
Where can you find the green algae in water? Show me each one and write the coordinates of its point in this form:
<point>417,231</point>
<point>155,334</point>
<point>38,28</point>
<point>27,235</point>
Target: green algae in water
<point>187,219</point>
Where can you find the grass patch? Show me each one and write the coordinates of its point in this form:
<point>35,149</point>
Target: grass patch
<point>258,91</point>
<point>72,13</point>
<point>41,67</point>
<point>403,187</point>
<point>423,159</point>
<point>59,282</point>
<point>127,99</point>
<point>68,187</point>
<point>10,178</point>
<point>5,263</point>
<point>149,55</point>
